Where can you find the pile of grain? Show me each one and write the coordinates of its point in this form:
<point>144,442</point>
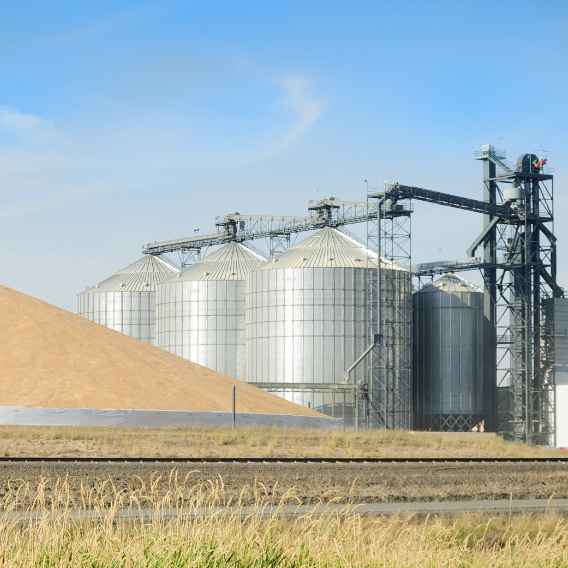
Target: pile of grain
<point>50,358</point>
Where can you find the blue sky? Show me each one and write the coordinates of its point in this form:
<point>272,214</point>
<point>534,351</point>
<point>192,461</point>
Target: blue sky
<point>128,122</point>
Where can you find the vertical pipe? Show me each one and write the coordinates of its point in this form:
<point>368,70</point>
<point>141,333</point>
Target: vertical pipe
<point>377,339</point>
<point>490,378</point>
<point>234,413</point>
<point>333,404</point>
<point>527,313</point>
<point>555,414</point>
<point>379,330</point>
<point>356,411</point>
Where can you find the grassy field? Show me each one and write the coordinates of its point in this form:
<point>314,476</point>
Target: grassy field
<point>215,539</point>
<point>37,441</point>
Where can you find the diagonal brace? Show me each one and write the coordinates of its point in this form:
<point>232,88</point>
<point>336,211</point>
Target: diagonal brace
<point>481,239</point>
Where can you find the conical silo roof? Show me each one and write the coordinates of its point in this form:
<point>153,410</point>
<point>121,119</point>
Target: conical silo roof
<point>450,283</point>
<point>328,248</point>
<point>141,276</point>
<point>231,262</point>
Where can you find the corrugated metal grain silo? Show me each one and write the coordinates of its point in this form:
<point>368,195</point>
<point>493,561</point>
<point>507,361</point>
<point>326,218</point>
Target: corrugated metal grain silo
<point>448,360</point>
<point>308,320</point>
<point>126,301</point>
<point>201,311</point>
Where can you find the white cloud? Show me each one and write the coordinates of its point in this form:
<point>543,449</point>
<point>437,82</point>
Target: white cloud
<point>30,128</point>
<point>297,96</point>
<point>298,99</point>
<point>305,110</point>
<point>41,167</point>
<point>38,165</point>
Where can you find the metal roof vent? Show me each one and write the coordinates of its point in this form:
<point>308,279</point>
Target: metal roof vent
<point>331,258</point>
<point>304,258</point>
<point>206,273</point>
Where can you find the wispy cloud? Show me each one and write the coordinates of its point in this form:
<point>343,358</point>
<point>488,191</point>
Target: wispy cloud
<point>298,99</point>
<point>37,161</point>
<point>296,95</point>
<point>303,108</point>
<point>42,167</point>
<point>30,128</point>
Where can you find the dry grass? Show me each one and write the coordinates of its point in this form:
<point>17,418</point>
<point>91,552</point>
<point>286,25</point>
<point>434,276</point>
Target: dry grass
<point>62,441</point>
<point>209,537</point>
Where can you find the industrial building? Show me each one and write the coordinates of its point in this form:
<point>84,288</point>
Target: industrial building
<point>328,326</point>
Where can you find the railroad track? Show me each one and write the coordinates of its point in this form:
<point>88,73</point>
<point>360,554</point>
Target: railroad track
<point>4,460</point>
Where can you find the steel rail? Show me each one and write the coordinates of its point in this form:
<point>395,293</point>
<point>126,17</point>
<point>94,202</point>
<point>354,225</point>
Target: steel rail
<point>35,459</point>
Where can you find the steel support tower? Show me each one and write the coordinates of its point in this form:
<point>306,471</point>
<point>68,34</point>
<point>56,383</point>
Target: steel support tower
<point>519,291</point>
<point>390,361</point>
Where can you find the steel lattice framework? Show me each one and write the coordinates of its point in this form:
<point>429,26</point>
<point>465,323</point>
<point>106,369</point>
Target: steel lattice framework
<point>277,230</point>
<point>519,291</point>
<point>390,361</point>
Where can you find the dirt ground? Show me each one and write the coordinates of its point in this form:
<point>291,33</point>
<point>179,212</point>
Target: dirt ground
<point>364,483</point>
